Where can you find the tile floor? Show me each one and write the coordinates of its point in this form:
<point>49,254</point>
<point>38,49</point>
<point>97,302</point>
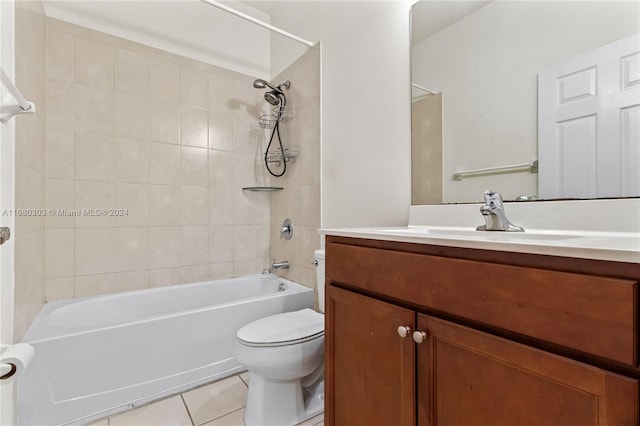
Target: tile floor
<point>219,403</point>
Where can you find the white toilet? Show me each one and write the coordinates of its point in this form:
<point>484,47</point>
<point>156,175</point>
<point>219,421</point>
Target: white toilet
<point>285,355</point>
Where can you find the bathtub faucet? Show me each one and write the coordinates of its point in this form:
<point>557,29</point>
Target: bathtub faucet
<point>280,265</point>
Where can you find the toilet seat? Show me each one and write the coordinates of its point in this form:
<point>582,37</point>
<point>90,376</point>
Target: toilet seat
<point>289,328</point>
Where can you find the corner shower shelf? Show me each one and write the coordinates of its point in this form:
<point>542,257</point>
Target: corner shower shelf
<point>289,154</point>
<point>263,188</point>
<point>280,113</point>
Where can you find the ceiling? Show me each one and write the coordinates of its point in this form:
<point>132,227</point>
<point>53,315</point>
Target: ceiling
<point>430,16</point>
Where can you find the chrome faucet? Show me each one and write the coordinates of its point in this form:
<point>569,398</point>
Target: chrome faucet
<point>280,265</point>
<point>493,212</point>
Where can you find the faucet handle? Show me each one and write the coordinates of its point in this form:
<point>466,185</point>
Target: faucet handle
<point>493,199</point>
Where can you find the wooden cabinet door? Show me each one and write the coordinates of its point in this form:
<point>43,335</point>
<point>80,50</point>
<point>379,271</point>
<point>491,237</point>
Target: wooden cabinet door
<point>369,368</point>
<point>469,378</point>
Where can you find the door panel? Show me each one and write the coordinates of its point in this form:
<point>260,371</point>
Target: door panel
<point>469,378</point>
<point>374,381</point>
<point>588,139</point>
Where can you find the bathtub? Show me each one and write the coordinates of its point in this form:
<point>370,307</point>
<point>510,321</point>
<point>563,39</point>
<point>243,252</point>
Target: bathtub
<point>101,355</point>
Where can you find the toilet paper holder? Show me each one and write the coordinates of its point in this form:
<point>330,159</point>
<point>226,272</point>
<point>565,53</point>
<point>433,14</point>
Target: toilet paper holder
<point>7,370</point>
<point>14,360</point>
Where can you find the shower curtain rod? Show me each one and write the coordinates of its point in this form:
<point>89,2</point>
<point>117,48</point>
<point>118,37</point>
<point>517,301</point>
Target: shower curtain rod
<point>22,106</point>
<point>246,17</point>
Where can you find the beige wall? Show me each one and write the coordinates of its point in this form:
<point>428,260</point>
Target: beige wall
<point>165,137</point>
<point>300,199</point>
<point>426,150</point>
<point>29,231</point>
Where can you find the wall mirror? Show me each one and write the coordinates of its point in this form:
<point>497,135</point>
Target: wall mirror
<point>475,99</point>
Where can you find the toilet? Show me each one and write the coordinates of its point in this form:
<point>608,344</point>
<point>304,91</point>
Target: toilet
<point>285,355</point>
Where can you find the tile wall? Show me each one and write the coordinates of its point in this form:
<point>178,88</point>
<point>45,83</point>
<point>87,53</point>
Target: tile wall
<point>29,231</point>
<point>300,199</point>
<point>167,139</point>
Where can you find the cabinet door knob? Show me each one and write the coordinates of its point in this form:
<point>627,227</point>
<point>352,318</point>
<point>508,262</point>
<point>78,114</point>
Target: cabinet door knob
<point>420,336</point>
<point>404,331</point>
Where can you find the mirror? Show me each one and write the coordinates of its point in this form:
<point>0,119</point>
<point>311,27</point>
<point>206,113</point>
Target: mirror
<point>475,68</point>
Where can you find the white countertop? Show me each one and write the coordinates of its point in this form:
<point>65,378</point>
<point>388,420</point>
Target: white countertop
<point>588,229</point>
<point>615,246</point>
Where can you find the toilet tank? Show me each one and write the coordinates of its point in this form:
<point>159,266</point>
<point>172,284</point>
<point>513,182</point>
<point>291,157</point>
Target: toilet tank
<point>319,256</point>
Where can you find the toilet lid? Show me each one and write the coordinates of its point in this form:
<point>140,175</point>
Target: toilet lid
<point>283,329</point>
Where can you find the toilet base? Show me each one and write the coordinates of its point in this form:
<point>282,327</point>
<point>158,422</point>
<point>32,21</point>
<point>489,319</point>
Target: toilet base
<point>287,403</point>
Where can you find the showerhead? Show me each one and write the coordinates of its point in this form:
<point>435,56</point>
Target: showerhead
<point>273,97</point>
<point>262,84</point>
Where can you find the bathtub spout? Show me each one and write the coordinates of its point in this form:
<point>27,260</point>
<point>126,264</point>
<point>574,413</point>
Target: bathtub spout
<point>280,265</point>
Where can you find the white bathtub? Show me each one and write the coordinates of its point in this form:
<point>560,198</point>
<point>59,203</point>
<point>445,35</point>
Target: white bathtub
<point>101,355</point>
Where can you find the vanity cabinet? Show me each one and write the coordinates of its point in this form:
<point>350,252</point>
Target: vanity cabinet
<point>509,339</point>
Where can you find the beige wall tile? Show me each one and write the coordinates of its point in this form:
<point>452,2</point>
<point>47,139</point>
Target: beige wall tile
<point>164,248</point>
<point>27,311</point>
<point>93,63</point>
<point>60,56</point>
<point>244,168</point>
<point>134,198</point>
<point>164,163</point>
<point>219,271</point>
<point>194,274</point>
<point>76,30</point>
<point>131,72</point>
<point>61,198</point>
<point>92,285</point>
<point>94,156</point>
<point>244,212</point>
<point>131,249</point>
<point>194,164</point>
<point>194,87</point>
<point>60,104</point>
<point>59,254</point>
<point>220,92</point>
<point>29,264</point>
<point>194,204</point>
<point>131,160</point>
<point>194,127</point>
<point>92,195</point>
<point>164,80</point>
<point>94,252</point>
<point>164,277</point>
<point>131,116</point>
<point>164,205</point>
<point>94,108</point>
<point>244,247</point>
<point>221,169</point>
<point>172,140</point>
<point>194,245</point>
<point>164,121</point>
<point>59,288</point>
<point>221,206</point>
<point>221,242</point>
<point>245,267</point>
<point>60,157</point>
<point>30,157</point>
<point>221,130</point>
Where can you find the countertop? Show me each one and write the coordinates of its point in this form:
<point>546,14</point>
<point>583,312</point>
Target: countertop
<point>613,246</point>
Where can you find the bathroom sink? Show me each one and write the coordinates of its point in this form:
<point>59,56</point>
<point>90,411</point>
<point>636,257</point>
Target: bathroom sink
<point>471,233</point>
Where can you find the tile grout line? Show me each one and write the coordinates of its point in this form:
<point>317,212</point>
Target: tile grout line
<point>187,408</point>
